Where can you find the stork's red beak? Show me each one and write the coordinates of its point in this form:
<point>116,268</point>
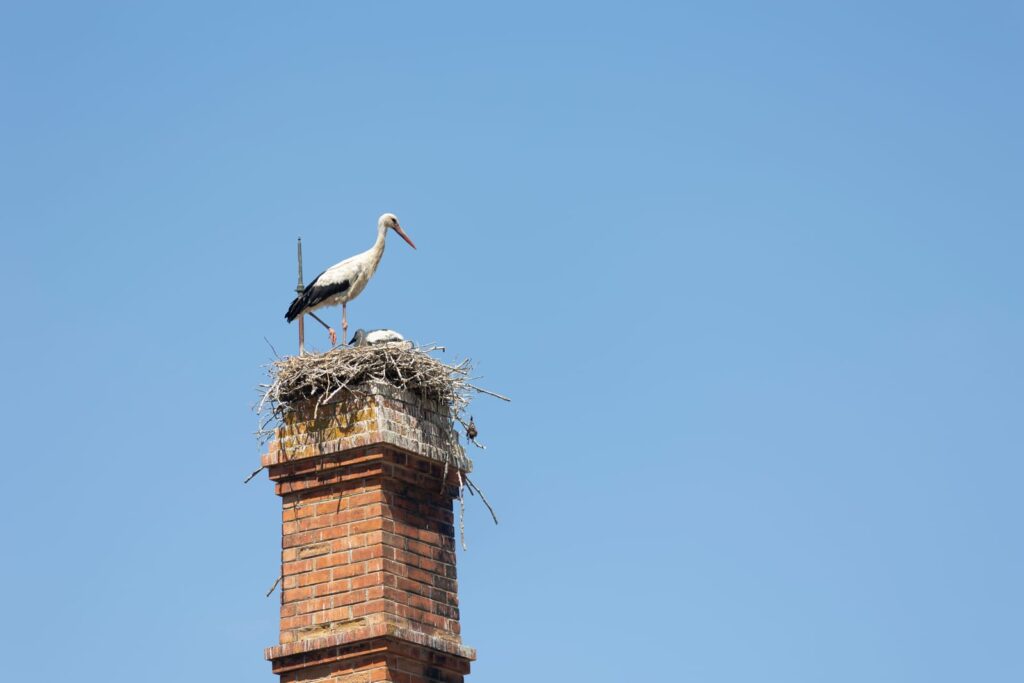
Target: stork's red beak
<point>398,229</point>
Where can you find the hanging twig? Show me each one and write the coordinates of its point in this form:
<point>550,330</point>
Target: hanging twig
<point>472,486</point>
<point>462,513</point>
<point>254,473</point>
<point>275,585</point>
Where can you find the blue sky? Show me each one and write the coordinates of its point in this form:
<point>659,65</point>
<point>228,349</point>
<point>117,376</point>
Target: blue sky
<point>751,274</point>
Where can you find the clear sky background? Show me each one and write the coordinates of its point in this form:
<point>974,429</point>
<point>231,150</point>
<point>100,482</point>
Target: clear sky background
<point>751,273</point>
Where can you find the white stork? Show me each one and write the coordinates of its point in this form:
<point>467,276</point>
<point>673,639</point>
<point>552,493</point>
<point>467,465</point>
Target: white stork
<point>343,281</point>
<point>375,337</point>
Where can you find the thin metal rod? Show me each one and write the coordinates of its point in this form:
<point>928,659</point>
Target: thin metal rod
<point>299,289</point>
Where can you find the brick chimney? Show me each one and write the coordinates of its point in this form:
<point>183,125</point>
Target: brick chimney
<point>368,588</point>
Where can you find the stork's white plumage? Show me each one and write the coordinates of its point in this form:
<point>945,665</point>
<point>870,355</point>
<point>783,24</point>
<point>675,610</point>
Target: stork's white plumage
<point>344,281</point>
<point>374,337</point>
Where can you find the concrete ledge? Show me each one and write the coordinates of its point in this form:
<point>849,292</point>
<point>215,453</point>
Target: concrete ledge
<point>319,647</point>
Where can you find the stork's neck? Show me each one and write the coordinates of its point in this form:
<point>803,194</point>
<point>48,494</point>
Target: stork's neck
<point>377,250</point>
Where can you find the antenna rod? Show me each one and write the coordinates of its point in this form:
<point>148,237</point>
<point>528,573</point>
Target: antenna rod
<point>299,289</point>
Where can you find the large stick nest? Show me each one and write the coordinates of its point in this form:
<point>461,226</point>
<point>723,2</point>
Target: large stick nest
<point>297,380</point>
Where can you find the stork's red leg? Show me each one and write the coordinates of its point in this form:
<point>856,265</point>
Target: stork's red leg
<point>344,325</point>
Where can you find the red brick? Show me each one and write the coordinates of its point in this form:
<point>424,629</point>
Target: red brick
<point>332,588</point>
<point>297,594</point>
<point>367,580</point>
<point>310,578</point>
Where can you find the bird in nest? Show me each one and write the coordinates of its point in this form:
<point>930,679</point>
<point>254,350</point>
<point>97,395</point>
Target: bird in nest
<point>471,431</point>
<point>375,337</point>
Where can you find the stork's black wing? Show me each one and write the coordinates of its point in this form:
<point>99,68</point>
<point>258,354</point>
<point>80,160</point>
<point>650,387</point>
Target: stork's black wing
<point>315,293</point>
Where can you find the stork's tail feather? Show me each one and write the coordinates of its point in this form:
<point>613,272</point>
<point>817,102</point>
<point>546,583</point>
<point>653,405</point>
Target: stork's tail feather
<point>295,310</point>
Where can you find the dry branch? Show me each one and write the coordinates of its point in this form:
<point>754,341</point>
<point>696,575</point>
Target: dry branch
<point>254,473</point>
<point>473,487</point>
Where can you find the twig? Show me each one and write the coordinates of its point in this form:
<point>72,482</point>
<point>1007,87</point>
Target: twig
<point>482,497</point>
<point>489,393</point>
<point>254,473</point>
<point>275,585</point>
<point>462,513</point>
<point>276,354</point>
